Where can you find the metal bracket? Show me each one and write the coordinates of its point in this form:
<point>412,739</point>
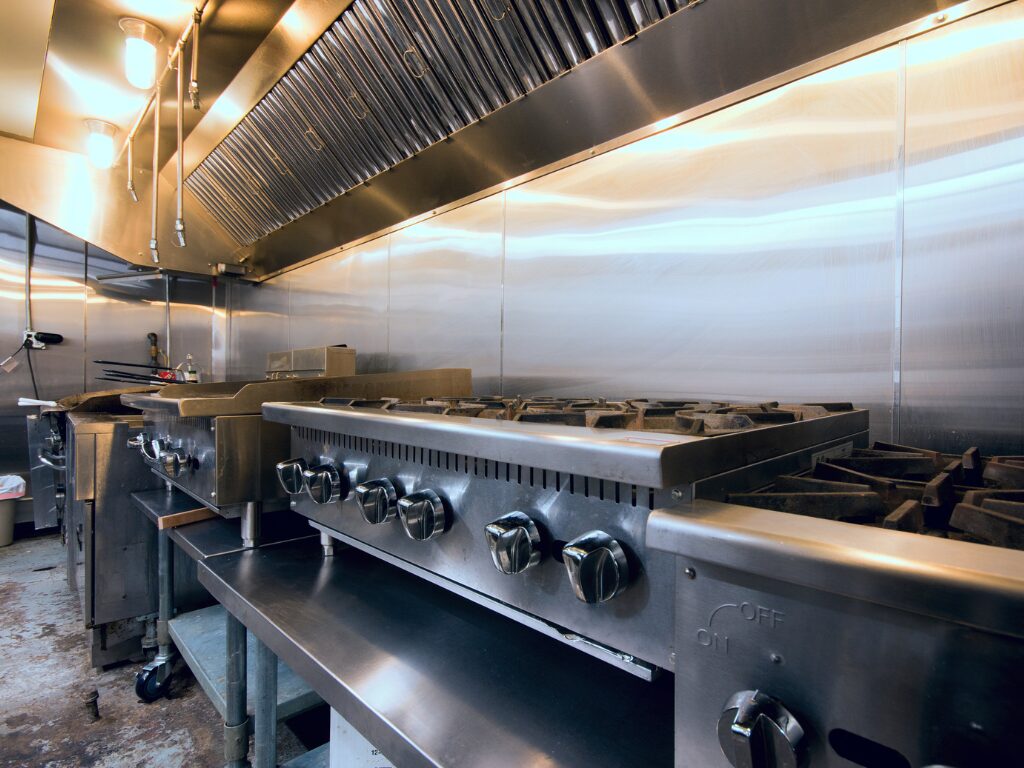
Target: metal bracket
<point>236,741</point>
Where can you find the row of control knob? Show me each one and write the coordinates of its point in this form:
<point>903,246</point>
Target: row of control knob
<point>423,514</point>
<point>160,452</point>
<point>596,564</point>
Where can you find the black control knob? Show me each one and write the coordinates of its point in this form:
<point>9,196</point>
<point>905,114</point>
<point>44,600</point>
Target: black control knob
<point>378,500</point>
<point>423,515</point>
<point>514,543</point>
<point>597,567</point>
<point>757,731</point>
<point>323,483</point>
<point>290,475</point>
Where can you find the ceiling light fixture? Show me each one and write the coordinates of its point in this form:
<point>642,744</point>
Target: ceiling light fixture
<point>140,60</point>
<point>100,144</point>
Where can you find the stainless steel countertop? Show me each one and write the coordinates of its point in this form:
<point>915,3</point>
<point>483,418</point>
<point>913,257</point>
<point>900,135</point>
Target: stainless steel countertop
<point>433,680</point>
<point>648,459</point>
<point>219,535</point>
<point>244,398</point>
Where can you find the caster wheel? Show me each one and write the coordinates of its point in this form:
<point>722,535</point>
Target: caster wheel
<point>148,686</point>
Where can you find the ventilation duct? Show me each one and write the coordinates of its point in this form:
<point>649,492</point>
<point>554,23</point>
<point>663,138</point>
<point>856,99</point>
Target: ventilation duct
<point>387,80</point>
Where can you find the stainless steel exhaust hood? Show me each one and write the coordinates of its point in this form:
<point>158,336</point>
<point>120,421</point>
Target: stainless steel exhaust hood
<point>388,80</point>
<point>401,108</point>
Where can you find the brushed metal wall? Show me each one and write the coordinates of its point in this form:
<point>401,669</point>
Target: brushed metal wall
<point>258,324</point>
<point>119,314</point>
<point>343,301</point>
<point>746,255</point>
<point>963,302</point>
<point>757,252</point>
<point>106,319</point>
<point>445,293</point>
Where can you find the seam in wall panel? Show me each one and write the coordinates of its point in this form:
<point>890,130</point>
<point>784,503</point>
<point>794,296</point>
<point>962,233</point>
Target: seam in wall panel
<point>901,166</point>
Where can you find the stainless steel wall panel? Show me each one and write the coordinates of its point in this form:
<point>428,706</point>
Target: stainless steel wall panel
<point>748,254</point>
<point>220,351</point>
<point>259,324</point>
<point>963,278</point>
<point>343,300</point>
<point>192,323</point>
<point>58,306</point>
<point>12,307</point>
<point>446,293</point>
<point>118,315</point>
<point>14,446</point>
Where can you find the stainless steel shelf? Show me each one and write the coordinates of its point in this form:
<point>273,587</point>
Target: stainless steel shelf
<point>433,680</point>
<point>217,536</point>
<point>200,637</point>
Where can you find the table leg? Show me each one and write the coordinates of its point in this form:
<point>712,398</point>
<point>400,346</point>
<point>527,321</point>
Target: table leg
<point>266,707</point>
<point>236,722</point>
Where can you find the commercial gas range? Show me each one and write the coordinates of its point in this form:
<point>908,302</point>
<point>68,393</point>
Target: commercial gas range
<point>626,529</point>
<point>867,612</point>
<point>538,508</point>
<point>210,441</point>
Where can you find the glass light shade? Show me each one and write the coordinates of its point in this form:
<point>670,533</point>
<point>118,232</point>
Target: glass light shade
<point>140,60</point>
<point>100,145</point>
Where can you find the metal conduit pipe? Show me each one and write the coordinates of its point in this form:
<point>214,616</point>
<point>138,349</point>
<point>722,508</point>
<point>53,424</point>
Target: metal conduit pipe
<point>193,83</point>
<point>178,47</point>
<point>154,249</point>
<point>131,169</point>
<point>30,251</point>
<point>179,221</point>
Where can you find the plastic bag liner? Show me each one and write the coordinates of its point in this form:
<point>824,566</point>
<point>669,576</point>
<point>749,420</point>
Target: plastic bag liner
<point>11,487</point>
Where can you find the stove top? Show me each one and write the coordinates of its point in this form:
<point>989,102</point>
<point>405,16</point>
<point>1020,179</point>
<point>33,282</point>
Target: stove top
<point>968,497</point>
<point>677,416</point>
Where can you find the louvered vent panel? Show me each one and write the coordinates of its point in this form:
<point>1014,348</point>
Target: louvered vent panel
<point>387,80</point>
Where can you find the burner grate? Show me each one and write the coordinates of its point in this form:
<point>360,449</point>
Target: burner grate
<point>903,488</point>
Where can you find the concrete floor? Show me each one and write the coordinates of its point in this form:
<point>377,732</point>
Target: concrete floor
<point>44,669</point>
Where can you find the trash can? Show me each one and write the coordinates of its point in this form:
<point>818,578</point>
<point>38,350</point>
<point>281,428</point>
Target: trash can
<point>12,488</point>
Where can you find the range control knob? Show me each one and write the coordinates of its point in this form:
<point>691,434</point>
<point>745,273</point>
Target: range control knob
<point>289,474</point>
<point>514,542</point>
<point>378,500</point>
<point>597,567</point>
<point>151,449</point>
<point>323,483</point>
<point>174,462</point>
<point>757,730</point>
<point>423,515</point>
<point>133,442</point>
